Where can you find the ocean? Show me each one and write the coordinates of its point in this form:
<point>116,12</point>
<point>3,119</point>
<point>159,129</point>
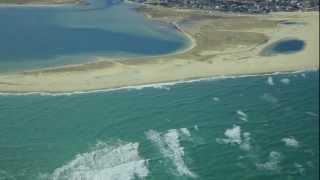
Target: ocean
<point>262,127</point>
<point>43,36</point>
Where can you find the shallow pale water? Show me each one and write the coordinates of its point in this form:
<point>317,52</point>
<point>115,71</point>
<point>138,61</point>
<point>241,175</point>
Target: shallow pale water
<point>34,37</point>
<point>257,128</point>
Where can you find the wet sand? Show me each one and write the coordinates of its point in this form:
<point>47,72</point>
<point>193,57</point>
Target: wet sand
<point>221,44</point>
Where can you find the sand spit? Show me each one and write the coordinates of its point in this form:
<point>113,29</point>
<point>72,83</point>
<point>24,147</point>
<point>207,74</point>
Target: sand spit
<point>221,44</point>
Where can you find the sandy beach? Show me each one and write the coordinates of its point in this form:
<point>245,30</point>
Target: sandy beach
<point>221,44</point>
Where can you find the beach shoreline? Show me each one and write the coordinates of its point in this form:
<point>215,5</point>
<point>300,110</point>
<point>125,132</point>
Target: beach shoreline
<point>157,85</point>
<point>232,49</point>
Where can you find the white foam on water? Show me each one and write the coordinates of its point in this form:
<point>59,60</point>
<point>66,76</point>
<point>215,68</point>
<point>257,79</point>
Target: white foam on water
<point>235,137</point>
<point>285,81</point>
<point>196,127</point>
<point>164,85</point>
<point>299,168</point>
<point>269,98</point>
<point>246,145</point>
<point>105,162</point>
<point>291,142</point>
<point>270,81</point>
<point>185,132</point>
<point>216,99</point>
<point>273,163</point>
<point>242,115</point>
<point>170,147</point>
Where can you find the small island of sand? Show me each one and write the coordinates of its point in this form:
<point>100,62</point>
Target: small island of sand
<point>220,44</point>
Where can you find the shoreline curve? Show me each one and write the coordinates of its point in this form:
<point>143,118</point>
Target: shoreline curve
<point>221,45</point>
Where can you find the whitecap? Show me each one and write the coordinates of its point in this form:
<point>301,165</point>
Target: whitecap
<point>270,81</point>
<point>170,147</point>
<point>216,99</point>
<point>242,115</point>
<point>269,98</point>
<point>273,163</point>
<point>104,162</point>
<point>235,137</point>
<point>299,168</point>
<point>246,145</point>
<point>196,127</point>
<point>285,81</point>
<point>185,132</point>
<point>290,142</point>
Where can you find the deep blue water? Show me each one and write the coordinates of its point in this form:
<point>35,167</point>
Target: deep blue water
<point>46,36</point>
<point>284,47</point>
<point>288,46</point>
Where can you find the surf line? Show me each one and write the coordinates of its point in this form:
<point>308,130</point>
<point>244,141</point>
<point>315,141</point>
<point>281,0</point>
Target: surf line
<point>160,85</point>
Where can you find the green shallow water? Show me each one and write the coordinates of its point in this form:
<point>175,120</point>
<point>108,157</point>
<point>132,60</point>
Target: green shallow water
<point>254,128</point>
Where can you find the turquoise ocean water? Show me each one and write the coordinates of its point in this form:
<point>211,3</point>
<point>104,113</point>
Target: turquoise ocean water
<point>249,128</point>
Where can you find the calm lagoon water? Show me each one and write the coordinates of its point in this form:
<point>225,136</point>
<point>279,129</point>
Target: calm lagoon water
<point>257,128</point>
<point>284,47</point>
<point>33,37</point>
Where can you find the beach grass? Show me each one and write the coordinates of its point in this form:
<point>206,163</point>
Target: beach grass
<point>220,44</point>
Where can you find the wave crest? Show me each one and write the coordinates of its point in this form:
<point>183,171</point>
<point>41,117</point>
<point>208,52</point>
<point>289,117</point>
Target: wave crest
<point>170,147</point>
<point>105,162</point>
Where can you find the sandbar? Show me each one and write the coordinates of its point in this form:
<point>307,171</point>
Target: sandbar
<point>220,44</point>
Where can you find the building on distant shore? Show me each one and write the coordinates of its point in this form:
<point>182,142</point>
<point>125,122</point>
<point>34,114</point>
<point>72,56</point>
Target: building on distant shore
<point>245,6</point>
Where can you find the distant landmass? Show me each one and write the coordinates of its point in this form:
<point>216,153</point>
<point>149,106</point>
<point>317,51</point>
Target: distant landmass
<point>245,6</point>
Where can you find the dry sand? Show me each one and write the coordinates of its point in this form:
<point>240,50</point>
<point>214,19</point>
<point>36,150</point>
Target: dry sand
<point>222,44</point>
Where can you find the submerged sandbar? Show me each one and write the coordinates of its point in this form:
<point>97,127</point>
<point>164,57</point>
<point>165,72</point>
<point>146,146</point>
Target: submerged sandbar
<point>221,44</point>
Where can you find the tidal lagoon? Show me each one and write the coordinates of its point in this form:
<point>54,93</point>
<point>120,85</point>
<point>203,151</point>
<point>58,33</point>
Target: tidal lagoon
<point>105,121</point>
<point>37,36</point>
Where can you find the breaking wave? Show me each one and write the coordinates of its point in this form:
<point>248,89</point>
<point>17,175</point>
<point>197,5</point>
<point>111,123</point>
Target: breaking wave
<point>285,81</point>
<point>273,163</point>
<point>105,162</point>
<point>270,81</point>
<point>291,142</point>
<point>170,147</point>
<point>235,137</point>
<point>242,115</point>
<point>164,85</point>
